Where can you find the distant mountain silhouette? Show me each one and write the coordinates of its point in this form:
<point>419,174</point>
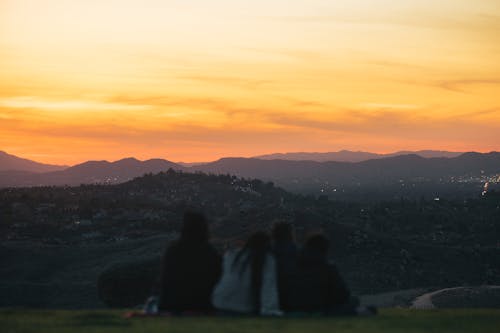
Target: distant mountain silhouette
<point>13,163</point>
<point>308,176</point>
<point>427,153</point>
<point>352,156</point>
<point>382,170</point>
<point>89,173</point>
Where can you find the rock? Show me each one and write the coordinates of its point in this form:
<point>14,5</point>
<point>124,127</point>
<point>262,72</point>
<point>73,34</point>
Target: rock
<point>128,284</point>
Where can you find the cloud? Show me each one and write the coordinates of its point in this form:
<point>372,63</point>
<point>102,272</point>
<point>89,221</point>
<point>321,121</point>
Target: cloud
<point>205,126</point>
<point>397,64</point>
<point>227,81</point>
<point>385,122</point>
<point>389,106</point>
<point>178,118</point>
<point>299,54</point>
<point>274,129</point>
<point>5,116</point>
<point>478,114</point>
<point>33,102</point>
<point>459,85</point>
<point>464,21</point>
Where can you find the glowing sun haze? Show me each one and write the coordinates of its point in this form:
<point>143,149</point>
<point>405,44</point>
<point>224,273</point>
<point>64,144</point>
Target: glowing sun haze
<point>197,80</point>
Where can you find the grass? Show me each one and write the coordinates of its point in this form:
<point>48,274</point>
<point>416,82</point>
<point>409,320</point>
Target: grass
<point>389,320</point>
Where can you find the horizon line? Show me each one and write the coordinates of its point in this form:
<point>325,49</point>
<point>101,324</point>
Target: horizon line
<point>402,152</point>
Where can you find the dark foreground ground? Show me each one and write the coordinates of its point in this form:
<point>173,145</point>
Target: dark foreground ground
<point>99,246</point>
<point>389,320</point>
<point>37,275</point>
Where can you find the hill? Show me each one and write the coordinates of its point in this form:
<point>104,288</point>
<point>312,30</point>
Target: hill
<point>90,172</point>
<point>13,163</point>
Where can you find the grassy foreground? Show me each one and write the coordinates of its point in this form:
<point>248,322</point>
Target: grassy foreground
<point>389,320</point>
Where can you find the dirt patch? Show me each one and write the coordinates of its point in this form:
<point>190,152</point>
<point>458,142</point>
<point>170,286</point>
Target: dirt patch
<point>460,297</point>
<point>468,297</point>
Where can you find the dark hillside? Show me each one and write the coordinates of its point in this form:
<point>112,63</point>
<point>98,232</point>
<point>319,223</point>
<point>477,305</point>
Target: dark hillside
<point>57,241</point>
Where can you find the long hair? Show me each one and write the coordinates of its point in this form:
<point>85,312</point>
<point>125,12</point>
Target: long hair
<point>254,253</point>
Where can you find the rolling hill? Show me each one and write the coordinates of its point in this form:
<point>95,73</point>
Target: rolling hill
<point>13,163</point>
<point>90,172</point>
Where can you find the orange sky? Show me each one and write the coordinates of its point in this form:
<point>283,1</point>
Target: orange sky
<point>194,80</point>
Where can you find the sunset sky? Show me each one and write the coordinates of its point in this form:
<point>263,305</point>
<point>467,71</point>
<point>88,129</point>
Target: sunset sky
<point>198,80</point>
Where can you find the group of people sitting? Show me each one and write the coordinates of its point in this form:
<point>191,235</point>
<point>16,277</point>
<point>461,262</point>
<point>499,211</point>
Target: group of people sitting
<point>268,276</point>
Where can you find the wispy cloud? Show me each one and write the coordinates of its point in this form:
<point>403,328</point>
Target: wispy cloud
<point>5,116</point>
<point>479,113</point>
<point>459,85</point>
<point>415,18</point>
<point>228,81</point>
<point>33,102</point>
<point>389,106</point>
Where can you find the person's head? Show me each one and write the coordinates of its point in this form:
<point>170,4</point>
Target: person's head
<point>317,244</point>
<point>282,232</point>
<point>194,227</point>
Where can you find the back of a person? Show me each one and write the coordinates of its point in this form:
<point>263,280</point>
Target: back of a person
<point>249,284</point>
<point>286,253</point>
<point>190,273</point>
<point>233,292</point>
<point>287,270</point>
<point>318,286</point>
<point>190,268</point>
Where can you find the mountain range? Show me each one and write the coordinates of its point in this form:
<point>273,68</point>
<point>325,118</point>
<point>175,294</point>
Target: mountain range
<point>87,173</point>
<point>10,162</point>
<point>352,156</point>
<point>287,173</point>
<point>387,169</point>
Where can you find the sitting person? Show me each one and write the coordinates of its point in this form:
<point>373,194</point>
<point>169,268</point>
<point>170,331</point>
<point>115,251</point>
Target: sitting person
<point>285,251</point>
<point>190,269</point>
<point>248,282</point>
<point>319,287</point>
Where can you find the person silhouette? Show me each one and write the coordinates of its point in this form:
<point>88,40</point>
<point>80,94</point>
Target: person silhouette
<point>248,284</point>
<point>190,268</point>
<point>319,287</point>
<point>286,253</point>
